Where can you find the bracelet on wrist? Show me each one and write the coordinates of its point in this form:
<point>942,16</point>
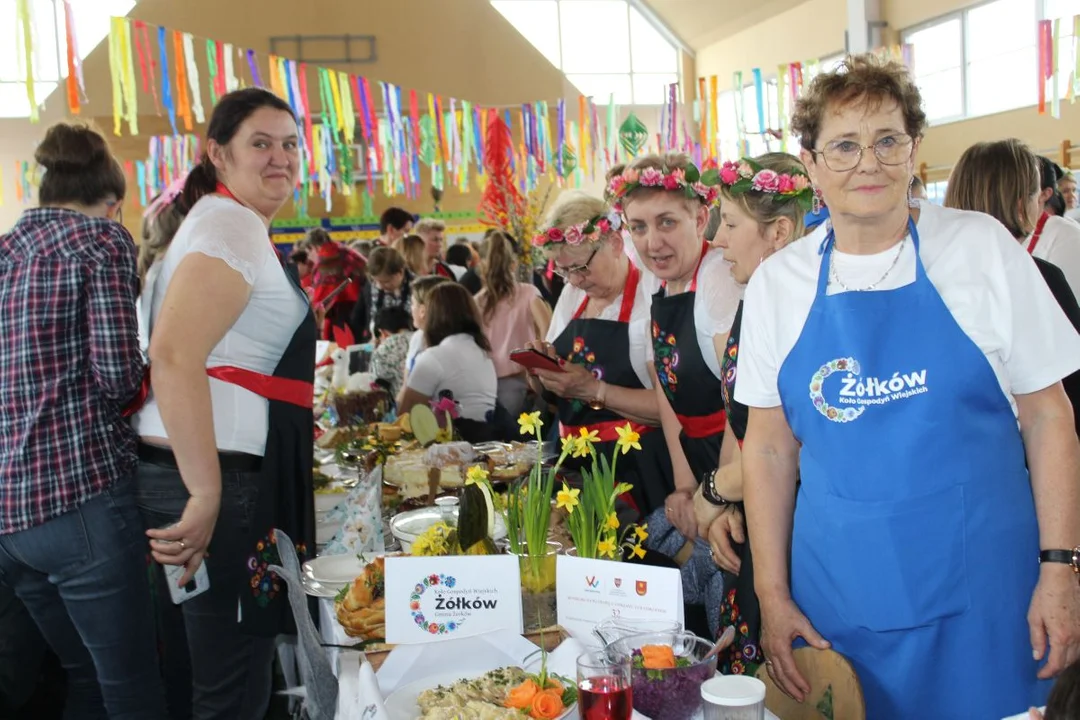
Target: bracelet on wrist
<point>708,490</point>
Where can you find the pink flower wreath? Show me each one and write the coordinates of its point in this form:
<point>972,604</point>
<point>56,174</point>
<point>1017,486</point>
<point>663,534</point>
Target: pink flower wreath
<point>692,182</point>
<point>589,231</point>
<point>748,176</point>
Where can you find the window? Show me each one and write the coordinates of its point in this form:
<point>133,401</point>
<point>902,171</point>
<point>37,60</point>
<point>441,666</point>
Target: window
<point>935,192</point>
<point>983,59</point>
<point>50,47</point>
<point>631,57</point>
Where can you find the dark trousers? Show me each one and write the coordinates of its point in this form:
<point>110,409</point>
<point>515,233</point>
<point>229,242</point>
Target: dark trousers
<point>213,671</point>
<point>22,653</point>
<point>82,577</point>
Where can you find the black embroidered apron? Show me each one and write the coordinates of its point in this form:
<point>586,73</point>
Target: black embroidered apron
<point>693,390</point>
<point>603,348</point>
<point>740,607</point>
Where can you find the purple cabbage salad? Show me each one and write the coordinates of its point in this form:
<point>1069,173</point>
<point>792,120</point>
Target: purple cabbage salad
<point>670,694</point>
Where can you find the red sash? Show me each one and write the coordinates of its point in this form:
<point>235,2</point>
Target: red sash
<point>703,426</point>
<point>1038,232</point>
<point>633,275</point>
<point>606,430</point>
<point>294,392</point>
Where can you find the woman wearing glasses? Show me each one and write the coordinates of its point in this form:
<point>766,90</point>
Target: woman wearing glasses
<point>906,358</point>
<point>599,335</point>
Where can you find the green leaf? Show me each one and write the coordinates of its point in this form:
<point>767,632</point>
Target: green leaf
<point>340,597</point>
<point>692,173</point>
<point>711,177</point>
<point>743,185</point>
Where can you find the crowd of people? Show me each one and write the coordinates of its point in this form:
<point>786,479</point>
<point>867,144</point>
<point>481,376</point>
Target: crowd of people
<point>877,393</point>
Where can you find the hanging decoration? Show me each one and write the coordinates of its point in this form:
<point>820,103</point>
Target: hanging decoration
<point>74,81</point>
<point>633,135</point>
<point>24,21</point>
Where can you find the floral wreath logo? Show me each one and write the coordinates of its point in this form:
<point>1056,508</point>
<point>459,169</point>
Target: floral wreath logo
<point>840,415</point>
<point>430,581</point>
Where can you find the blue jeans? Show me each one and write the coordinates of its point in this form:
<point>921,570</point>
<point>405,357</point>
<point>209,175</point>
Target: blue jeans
<point>213,671</point>
<point>82,577</point>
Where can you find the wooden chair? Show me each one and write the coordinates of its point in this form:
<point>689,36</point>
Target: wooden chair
<point>835,692</point>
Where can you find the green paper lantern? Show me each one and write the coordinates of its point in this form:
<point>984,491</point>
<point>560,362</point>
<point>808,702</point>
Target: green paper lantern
<point>633,135</point>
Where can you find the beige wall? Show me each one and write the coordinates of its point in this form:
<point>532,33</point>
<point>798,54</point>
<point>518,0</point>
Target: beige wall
<point>808,31</point>
<point>816,28</point>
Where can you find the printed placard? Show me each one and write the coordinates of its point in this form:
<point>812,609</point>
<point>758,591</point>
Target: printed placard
<point>439,598</point>
<point>591,591</point>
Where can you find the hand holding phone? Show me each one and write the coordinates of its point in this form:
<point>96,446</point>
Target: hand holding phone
<point>535,360</point>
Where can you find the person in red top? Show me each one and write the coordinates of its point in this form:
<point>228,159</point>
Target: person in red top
<point>305,266</point>
<point>334,265</point>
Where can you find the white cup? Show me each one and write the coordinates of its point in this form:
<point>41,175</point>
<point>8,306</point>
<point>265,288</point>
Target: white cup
<point>733,697</point>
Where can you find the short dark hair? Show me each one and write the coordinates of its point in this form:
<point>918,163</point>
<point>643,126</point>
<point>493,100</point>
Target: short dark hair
<point>451,310</point>
<point>459,255</point>
<point>385,261</point>
<point>229,114</point>
<point>298,256</point>
<point>1049,173</point>
<point>394,217</point>
<point>79,168</point>
<point>393,320</point>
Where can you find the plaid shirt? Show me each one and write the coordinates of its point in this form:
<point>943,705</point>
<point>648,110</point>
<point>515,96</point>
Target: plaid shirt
<point>69,360</point>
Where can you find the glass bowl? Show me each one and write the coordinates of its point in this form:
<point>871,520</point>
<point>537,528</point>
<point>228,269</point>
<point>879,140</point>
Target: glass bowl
<point>675,693</point>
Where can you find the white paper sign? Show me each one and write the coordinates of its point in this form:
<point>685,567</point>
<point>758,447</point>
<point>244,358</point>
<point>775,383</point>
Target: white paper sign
<point>429,599</point>
<point>590,591</point>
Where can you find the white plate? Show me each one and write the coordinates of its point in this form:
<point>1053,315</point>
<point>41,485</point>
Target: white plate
<point>317,589</point>
<point>333,570</point>
<point>401,705</point>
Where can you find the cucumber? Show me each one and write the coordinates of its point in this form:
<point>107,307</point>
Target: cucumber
<point>476,520</point>
<point>425,427</point>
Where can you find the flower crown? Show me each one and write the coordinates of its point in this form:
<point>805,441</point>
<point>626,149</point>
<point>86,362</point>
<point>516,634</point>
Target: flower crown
<point>693,183</point>
<point>747,176</point>
<point>589,231</point>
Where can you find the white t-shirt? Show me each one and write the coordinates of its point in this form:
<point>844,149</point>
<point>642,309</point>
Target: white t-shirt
<point>460,366</point>
<point>715,304</point>
<point>640,338</point>
<point>1073,214</point>
<point>222,228</point>
<point>986,279</point>
<point>142,309</point>
<point>1060,244</point>
<point>416,346</point>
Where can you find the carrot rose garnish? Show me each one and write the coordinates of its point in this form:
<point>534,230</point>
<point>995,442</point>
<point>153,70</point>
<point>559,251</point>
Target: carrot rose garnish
<point>521,697</point>
<point>658,657</point>
<point>547,705</point>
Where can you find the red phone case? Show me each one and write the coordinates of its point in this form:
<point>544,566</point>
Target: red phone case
<point>535,360</point>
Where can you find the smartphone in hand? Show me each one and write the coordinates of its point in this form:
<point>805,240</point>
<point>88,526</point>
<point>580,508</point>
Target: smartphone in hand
<point>535,360</point>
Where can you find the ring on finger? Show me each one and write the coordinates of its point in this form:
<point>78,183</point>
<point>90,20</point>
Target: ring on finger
<point>183,545</point>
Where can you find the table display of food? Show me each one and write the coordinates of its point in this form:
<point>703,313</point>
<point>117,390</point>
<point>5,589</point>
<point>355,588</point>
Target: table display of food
<point>404,487</point>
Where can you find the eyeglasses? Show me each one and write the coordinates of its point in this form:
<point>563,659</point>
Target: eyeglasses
<point>582,270</point>
<point>843,155</point>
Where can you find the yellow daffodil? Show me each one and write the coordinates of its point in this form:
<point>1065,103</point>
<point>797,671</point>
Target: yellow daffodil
<point>530,423</point>
<point>606,547</point>
<point>581,448</point>
<point>476,475</point>
<point>585,435</point>
<point>569,445</point>
<point>612,522</point>
<point>642,532</point>
<point>567,498</point>
<point>628,439</point>
<point>638,551</point>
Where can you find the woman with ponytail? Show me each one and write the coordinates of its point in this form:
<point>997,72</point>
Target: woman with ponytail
<point>225,456</point>
<point>514,314</point>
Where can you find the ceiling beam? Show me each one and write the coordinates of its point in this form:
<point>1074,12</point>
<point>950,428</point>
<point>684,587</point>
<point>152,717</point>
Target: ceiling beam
<point>643,7</point>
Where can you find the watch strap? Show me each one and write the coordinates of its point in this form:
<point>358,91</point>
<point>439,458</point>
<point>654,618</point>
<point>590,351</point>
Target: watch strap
<point>708,489</point>
<point>1066,557</point>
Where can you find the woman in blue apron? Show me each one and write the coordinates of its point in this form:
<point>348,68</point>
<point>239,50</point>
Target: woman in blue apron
<point>883,355</point>
<point>225,462</point>
<point>599,332</point>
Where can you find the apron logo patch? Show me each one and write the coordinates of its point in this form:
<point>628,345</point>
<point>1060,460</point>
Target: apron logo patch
<point>857,392</point>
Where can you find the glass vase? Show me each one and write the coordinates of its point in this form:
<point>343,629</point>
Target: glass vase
<point>538,587</point>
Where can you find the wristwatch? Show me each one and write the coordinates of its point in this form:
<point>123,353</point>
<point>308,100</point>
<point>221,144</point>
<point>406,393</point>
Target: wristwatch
<point>598,402</point>
<point>1066,557</point>
<point>708,490</point>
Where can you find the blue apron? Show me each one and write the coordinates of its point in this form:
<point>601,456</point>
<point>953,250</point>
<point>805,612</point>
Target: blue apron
<point>915,543</point>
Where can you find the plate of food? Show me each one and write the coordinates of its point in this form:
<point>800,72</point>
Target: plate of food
<point>360,606</point>
<point>505,693</point>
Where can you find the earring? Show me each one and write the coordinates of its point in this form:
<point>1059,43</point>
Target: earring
<point>816,208</point>
<point>911,201</point>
